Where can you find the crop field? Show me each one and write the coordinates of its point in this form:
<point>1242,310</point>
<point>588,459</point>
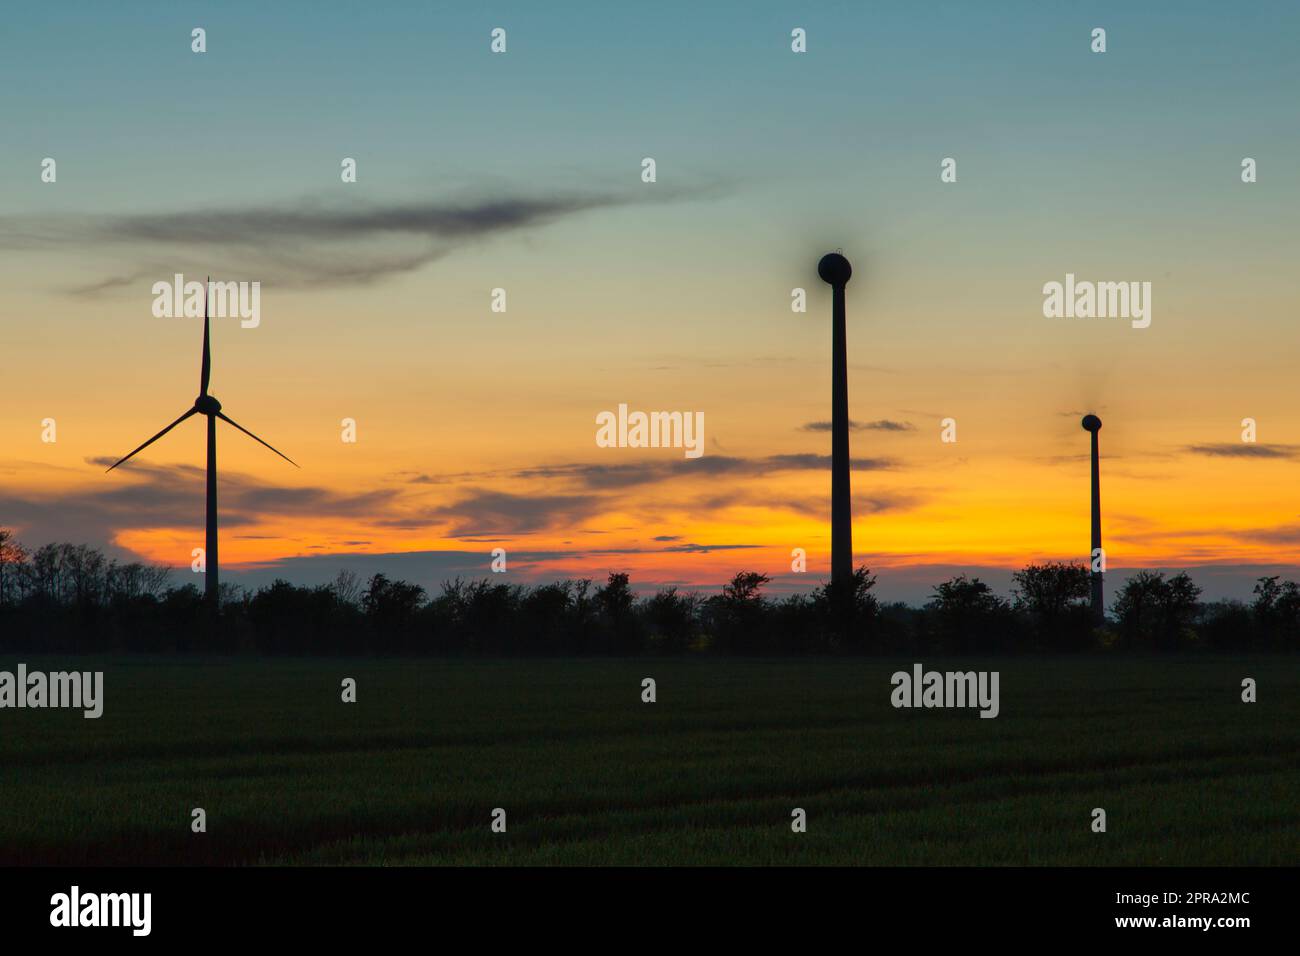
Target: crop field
<point>587,773</point>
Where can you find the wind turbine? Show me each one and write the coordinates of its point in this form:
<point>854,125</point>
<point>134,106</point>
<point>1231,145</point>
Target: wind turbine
<point>1092,424</point>
<point>207,405</point>
<point>835,270</point>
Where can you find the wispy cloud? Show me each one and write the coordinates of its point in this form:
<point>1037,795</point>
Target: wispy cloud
<point>604,477</point>
<point>1286,535</point>
<point>322,223</point>
<point>1245,450</point>
<point>482,513</point>
<point>883,425</point>
<point>569,493</point>
<point>142,495</point>
<point>707,548</point>
<point>814,507</point>
<point>311,242</point>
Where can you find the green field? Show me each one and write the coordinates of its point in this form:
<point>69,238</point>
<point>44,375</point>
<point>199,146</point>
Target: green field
<point>588,774</point>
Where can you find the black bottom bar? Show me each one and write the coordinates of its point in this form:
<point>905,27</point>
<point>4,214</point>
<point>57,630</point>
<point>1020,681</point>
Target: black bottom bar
<point>335,905</point>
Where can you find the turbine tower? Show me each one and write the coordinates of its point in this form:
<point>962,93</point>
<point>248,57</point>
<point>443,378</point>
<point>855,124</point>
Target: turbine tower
<point>1092,425</point>
<point>835,270</point>
<point>207,405</point>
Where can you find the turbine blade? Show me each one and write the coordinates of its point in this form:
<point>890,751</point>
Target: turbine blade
<point>206,373</point>
<point>231,421</point>
<point>192,411</point>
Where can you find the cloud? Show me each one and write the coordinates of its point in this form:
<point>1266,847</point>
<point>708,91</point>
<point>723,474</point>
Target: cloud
<point>817,507</point>
<point>882,425</point>
<point>601,477</point>
<point>1245,450</point>
<point>706,548</point>
<point>92,289</point>
<point>822,463</point>
<point>537,566</point>
<point>578,491</point>
<point>469,506</point>
<point>312,242</point>
<point>1286,535</point>
<point>240,492</point>
<point>1209,541</point>
<point>482,513</point>
<point>141,495</point>
<point>318,222</point>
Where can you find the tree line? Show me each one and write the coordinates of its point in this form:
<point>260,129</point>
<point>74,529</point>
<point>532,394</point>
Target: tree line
<point>64,598</point>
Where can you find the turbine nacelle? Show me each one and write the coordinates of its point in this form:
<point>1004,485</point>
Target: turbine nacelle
<point>834,269</point>
<point>1091,423</point>
<point>207,405</point>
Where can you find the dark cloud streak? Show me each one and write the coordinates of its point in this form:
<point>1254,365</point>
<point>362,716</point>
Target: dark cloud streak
<point>313,242</point>
<point>881,425</point>
<point>1244,450</point>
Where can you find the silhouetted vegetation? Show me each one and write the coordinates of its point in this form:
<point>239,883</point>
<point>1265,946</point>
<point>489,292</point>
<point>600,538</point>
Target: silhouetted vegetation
<point>965,616</point>
<point>71,598</point>
<point>1051,601</point>
<point>1154,614</point>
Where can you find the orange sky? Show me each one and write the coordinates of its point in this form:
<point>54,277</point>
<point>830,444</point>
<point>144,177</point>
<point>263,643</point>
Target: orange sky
<point>509,458</point>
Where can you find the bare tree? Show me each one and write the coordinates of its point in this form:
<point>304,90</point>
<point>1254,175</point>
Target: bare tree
<point>12,555</point>
<point>347,587</point>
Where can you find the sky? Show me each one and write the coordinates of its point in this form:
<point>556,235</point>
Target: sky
<point>523,171</point>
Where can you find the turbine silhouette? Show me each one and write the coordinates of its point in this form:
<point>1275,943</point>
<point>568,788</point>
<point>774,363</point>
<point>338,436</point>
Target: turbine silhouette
<point>835,270</point>
<point>207,405</point>
<point>1092,425</point>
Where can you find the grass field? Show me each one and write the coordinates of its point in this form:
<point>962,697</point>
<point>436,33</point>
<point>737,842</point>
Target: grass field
<point>588,774</point>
